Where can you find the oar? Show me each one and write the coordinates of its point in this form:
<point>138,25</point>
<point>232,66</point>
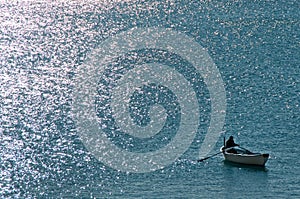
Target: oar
<point>201,160</point>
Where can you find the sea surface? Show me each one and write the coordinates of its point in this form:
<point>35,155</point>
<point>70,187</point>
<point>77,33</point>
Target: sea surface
<point>56,56</point>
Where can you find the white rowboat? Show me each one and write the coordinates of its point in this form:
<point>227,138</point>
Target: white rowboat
<point>243,156</point>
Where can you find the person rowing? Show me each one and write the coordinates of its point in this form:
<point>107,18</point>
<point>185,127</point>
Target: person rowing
<point>229,144</point>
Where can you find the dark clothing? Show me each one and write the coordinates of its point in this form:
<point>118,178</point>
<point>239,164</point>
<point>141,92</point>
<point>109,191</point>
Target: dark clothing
<point>230,143</point>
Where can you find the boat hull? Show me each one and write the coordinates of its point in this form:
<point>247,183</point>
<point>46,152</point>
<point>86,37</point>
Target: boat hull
<point>248,159</point>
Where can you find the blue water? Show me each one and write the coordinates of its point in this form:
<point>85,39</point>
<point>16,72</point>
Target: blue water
<point>254,45</point>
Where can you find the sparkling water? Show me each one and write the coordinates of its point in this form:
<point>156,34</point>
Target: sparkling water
<point>120,99</point>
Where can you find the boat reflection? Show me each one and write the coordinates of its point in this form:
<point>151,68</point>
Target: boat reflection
<point>245,166</point>
<point>242,181</point>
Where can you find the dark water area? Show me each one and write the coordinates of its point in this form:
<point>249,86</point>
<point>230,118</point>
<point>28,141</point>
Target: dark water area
<point>45,47</point>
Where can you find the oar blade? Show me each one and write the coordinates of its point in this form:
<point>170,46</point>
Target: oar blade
<point>201,160</point>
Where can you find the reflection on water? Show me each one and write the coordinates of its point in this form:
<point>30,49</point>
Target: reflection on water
<point>255,45</point>
<point>246,167</point>
<point>244,180</point>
